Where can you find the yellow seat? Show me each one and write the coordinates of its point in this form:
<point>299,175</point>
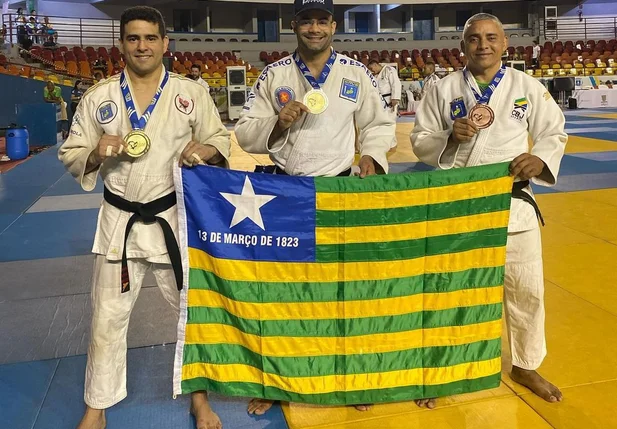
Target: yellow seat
<point>53,78</point>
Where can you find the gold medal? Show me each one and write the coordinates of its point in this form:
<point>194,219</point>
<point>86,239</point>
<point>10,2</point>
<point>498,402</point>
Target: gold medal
<point>137,143</point>
<point>316,101</point>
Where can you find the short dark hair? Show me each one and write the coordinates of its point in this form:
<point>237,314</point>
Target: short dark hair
<point>373,61</point>
<point>142,13</point>
<point>195,66</point>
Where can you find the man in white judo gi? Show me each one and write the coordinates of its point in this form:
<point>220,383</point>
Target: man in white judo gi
<point>389,86</point>
<point>301,111</point>
<point>484,115</point>
<point>430,78</point>
<point>131,128</point>
<point>196,76</point>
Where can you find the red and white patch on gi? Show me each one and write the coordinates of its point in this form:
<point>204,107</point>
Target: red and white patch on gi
<point>184,104</point>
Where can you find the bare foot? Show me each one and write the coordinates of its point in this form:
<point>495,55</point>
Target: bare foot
<point>364,407</point>
<point>259,406</point>
<point>428,403</point>
<point>537,384</point>
<point>92,419</point>
<point>204,416</point>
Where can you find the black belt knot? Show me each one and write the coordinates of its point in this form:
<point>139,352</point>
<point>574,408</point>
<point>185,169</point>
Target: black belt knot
<point>147,213</point>
<point>517,192</point>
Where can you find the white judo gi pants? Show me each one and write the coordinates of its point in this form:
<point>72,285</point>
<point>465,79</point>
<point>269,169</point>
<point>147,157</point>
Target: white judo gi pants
<point>524,298</point>
<point>106,368</point>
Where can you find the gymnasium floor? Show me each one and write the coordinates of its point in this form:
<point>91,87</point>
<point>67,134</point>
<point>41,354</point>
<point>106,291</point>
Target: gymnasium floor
<point>46,228</point>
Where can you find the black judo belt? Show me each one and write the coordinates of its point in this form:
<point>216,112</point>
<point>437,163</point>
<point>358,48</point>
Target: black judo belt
<point>517,192</point>
<point>147,213</point>
<point>387,95</point>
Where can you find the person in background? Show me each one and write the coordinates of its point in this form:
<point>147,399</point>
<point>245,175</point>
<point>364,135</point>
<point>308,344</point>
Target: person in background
<point>76,93</point>
<point>536,54</point>
<point>430,78</point>
<point>116,68</point>
<point>49,29</point>
<point>389,86</point>
<point>49,43</point>
<point>53,94</point>
<point>196,76</point>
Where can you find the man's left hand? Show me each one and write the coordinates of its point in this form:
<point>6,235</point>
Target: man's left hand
<point>367,166</point>
<point>526,166</point>
<point>195,153</point>
<point>393,104</point>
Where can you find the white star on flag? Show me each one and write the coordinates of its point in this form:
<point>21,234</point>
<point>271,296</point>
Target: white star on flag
<point>247,204</point>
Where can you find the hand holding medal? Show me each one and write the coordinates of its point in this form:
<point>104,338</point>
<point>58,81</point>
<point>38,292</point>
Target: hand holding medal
<point>463,130</point>
<point>108,147</point>
<point>291,113</point>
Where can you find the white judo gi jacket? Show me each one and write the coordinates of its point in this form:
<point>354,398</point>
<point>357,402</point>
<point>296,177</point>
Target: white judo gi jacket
<point>523,109</point>
<point>184,111</point>
<point>324,144</point>
<point>389,84</point>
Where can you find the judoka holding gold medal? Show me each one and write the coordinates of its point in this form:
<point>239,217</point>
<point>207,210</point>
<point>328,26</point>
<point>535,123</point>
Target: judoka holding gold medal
<point>130,128</point>
<point>301,109</point>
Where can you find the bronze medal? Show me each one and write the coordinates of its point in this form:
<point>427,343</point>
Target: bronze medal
<point>482,116</point>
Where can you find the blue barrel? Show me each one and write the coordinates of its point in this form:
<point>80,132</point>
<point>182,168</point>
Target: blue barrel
<point>17,143</point>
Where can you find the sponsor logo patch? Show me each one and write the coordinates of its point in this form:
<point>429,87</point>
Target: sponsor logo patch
<point>284,95</point>
<point>519,109</point>
<point>107,112</point>
<point>458,108</point>
<point>349,90</point>
<point>184,104</point>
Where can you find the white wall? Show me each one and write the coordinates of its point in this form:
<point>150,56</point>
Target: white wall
<point>224,20</point>
<point>392,20</point>
<point>79,10</point>
<point>511,15</point>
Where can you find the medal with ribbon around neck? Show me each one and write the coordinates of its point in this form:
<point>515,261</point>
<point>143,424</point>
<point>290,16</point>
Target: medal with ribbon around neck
<point>481,114</point>
<point>137,141</point>
<point>316,99</point>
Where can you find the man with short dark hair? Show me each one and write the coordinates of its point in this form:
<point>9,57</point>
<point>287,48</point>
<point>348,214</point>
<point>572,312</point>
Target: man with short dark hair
<point>196,76</point>
<point>131,128</point>
<point>302,109</point>
<point>389,86</point>
<point>430,78</point>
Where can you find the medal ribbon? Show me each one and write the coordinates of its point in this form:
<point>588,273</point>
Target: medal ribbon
<point>316,84</point>
<point>486,96</point>
<point>136,122</point>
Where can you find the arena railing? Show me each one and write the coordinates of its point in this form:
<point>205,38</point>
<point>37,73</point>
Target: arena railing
<point>595,28</point>
<point>71,31</point>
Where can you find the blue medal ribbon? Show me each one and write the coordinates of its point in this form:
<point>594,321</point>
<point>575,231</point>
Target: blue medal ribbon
<point>139,123</point>
<point>316,84</point>
<point>486,96</point>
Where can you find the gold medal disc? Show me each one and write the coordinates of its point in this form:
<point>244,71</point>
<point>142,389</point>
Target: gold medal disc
<point>137,143</point>
<point>316,101</point>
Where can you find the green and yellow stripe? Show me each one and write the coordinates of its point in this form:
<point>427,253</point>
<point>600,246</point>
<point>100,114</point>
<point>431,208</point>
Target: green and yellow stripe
<point>403,300</point>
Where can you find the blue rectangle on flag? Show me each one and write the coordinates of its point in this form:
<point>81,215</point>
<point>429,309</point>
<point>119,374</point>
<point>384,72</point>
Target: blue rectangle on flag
<point>249,216</point>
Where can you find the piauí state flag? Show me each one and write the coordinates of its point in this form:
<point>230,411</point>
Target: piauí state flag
<point>341,290</point>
